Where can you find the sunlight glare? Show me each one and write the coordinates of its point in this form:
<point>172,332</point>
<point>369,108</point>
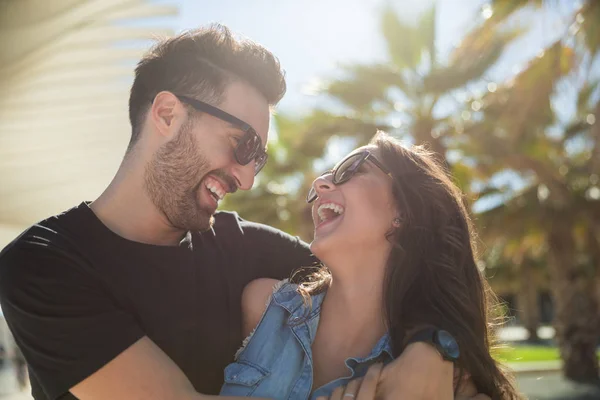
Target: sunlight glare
<point>487,11</point>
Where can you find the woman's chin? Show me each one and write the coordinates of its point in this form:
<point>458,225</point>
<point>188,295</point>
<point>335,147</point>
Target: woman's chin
<point>317,247</point>
<point>322,245</point>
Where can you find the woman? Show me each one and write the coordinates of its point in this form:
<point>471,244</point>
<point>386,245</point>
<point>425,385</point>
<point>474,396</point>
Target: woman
<point>396,239</point>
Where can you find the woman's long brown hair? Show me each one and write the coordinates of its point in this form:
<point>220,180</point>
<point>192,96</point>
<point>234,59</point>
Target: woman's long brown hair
<point>431,275</point>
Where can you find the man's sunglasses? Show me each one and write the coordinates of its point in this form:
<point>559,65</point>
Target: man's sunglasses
<point>249,147</point>
<point>346,170</point>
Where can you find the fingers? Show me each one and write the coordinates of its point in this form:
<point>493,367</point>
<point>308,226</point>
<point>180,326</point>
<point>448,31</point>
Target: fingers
<point>338,393</point>
<point>352,389</point>
<point>359,389</point>
<point>368,388</point>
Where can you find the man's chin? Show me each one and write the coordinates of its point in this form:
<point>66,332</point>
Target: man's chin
<point>208,226</point>
<point>204,222</point>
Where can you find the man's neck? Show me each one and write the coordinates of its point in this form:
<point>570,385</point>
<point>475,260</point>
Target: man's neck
<point>125,208</point>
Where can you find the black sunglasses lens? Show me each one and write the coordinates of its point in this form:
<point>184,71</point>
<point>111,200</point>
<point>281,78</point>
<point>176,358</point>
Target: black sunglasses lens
<point>248,147</point>
<point>342,173</point>
<point>260,162</point>
<point>348,168</point>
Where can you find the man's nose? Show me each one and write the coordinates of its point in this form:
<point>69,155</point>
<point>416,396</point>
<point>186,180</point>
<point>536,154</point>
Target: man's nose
<point>244,175</point>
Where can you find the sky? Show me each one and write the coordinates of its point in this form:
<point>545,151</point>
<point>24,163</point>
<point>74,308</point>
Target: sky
<point>313,37</point>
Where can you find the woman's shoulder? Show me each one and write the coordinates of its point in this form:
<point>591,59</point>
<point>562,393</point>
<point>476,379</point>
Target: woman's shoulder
<point>257,293</point>
<point>256,297</point>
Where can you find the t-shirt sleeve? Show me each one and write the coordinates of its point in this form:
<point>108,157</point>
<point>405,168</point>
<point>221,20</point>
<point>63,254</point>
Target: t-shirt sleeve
<point>62,316</point>
<point>274,253</point>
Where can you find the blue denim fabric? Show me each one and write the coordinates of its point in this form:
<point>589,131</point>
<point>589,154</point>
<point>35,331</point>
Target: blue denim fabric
<point>276,359</point>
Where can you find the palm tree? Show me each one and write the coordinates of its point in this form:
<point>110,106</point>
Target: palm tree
<point>517,128</point>
<point>410,91</point>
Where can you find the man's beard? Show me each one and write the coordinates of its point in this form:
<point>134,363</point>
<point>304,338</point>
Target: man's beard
<point>172,180</point>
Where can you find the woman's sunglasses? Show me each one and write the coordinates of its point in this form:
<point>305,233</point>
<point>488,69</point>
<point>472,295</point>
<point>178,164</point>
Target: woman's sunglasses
<point>249,147</point>
<point>346,170</point>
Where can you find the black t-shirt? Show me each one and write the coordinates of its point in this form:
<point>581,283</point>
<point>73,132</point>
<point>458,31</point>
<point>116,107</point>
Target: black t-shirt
<point>75,295</point>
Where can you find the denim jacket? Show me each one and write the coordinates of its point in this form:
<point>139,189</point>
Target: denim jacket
<point>275,361</point>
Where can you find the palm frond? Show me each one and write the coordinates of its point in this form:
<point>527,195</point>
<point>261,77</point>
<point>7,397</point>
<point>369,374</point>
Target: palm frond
<point>403,41</point>
<point>590,27</point>
<point>469,61</point>
<point>365,85</point>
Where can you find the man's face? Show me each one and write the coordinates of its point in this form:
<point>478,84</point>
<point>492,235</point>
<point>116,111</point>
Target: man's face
<point>188,175</point>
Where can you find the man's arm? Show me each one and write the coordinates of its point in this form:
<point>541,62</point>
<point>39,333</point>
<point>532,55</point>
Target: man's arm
<point>273,253</point>
<point>142,372</point>
<point>74,335</point>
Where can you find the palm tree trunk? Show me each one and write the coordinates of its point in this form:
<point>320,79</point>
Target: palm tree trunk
<point>593,245</point>
<point>576,318</point>
<point>527,300</point>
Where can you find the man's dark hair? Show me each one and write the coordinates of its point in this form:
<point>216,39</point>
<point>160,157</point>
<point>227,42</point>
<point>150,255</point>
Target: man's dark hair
<point>200,63</point>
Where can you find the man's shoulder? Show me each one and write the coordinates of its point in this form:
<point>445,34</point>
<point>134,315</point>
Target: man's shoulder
<point>231,222</point>
<point>230,228</point>
<point>51,235</point>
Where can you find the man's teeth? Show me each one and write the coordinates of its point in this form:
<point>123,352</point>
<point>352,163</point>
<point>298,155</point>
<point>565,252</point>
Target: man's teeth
<point>336,208</point>
<point>218,192</point>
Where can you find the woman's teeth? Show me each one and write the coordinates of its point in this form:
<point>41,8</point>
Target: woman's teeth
<point>219,194</point>
<point>324,216</point>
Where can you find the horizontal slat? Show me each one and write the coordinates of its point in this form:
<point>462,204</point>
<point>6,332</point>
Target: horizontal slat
<point>64,87</point>
<point>60,77</point>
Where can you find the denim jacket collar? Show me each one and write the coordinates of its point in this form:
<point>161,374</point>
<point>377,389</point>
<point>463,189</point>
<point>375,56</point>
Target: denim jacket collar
<point>289,298</point>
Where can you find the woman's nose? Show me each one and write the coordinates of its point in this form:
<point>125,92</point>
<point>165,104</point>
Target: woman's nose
<point>324,183</point>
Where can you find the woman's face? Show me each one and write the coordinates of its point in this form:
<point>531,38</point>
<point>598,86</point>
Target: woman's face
<point>356,214</point>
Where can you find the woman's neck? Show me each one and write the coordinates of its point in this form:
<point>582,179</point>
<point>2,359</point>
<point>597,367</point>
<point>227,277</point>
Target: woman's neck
<point>354,301</point>
<point>354,307</point>
<point>351,320</point>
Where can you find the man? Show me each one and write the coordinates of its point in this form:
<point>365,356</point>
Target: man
<point>137,294</point>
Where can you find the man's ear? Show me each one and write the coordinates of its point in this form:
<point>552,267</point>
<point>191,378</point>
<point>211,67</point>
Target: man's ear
<point>165,113</point>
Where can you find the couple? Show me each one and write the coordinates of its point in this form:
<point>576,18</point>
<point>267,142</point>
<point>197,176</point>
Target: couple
<point>148,292</point>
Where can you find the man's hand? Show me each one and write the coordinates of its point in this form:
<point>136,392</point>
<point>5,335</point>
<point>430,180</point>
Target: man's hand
<point>359,389</point>
<point>419,373</point>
